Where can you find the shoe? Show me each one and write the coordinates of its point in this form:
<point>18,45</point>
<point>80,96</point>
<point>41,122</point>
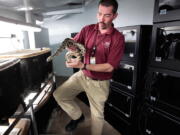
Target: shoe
<point>72,125</point>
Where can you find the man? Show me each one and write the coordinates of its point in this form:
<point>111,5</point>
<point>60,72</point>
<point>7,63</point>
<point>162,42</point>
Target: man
<point>104,49</point>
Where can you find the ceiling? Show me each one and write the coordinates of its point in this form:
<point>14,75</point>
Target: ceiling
<point>47,9</point>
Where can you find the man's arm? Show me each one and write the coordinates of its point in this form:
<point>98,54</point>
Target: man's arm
<point>105,67</point>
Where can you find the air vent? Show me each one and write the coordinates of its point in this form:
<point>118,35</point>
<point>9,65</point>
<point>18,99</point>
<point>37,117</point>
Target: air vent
<point>74,4</point>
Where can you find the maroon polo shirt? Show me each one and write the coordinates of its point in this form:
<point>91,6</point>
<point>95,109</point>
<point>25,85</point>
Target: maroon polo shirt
<point>109,48</point>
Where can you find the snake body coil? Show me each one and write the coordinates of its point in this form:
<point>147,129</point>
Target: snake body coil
<point>77,52</point>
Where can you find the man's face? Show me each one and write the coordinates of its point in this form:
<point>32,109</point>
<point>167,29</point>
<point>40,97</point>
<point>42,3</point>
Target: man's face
<point>105,16</point>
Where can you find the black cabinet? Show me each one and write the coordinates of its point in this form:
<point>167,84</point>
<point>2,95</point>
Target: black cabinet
<point>155,121</point>
<point>162,90</point>
<point>137,39</point>
<point>159,111</point>
<point>166,10</point>
<point>165,47</point>
<point>113,118</point>
<point>122,103</point>
<point>127,82</point>
<point>124,77</point>
<point>10,87</point>
<point>130,73</point>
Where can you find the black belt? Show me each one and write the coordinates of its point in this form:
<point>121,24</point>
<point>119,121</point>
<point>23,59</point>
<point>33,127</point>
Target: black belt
<point>97,79</point>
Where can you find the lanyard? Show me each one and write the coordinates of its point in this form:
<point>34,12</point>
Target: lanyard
<point>93,52</point>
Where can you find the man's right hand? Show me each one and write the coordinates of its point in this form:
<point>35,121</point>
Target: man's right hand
<point>74,63</point>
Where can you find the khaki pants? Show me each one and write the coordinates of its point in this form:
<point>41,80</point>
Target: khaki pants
<point>96,91</point>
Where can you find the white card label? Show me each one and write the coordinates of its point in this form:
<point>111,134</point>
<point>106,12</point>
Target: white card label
<point>92,60</point>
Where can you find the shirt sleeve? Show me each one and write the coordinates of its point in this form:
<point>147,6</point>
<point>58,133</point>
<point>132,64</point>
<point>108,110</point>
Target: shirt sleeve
<point>116,52</point>
<point>80,37</point>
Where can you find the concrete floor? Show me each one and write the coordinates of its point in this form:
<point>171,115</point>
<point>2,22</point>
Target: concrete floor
<point>59,119</point>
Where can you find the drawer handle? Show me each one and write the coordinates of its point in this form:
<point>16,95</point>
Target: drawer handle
<point>148,131</point>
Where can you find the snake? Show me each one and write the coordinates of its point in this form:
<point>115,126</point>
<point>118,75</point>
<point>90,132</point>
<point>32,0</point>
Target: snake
<point>77,52</point>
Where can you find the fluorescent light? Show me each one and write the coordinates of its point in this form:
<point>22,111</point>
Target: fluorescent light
<point>39,22</point>
<point>28,28</point>
<point>15,24</point>
<point>62,12</point>
<point>25,8</point>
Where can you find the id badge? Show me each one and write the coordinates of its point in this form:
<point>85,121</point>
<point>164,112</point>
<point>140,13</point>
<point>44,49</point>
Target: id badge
<point>92,60</point>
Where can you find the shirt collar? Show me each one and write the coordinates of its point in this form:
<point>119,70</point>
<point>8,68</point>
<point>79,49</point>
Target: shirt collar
<point>110,31</point>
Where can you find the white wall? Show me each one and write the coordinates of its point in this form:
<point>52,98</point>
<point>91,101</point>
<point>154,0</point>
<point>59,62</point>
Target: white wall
<point>131,12</point>
<point>135,12</point>
<point>19,17</point>
<point>62,28</point>
<point>42,38</point>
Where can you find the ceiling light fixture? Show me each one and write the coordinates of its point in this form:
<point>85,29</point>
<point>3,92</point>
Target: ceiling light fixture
<point>25,8</point>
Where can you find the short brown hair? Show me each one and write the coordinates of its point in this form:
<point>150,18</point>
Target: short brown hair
<point>108,3</point>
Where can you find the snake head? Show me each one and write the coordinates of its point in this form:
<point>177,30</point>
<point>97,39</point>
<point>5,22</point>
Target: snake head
<point>49,59</point>
<point>72,55</point>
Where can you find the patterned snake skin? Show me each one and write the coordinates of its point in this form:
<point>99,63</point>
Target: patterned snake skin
<point>77,52</point>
